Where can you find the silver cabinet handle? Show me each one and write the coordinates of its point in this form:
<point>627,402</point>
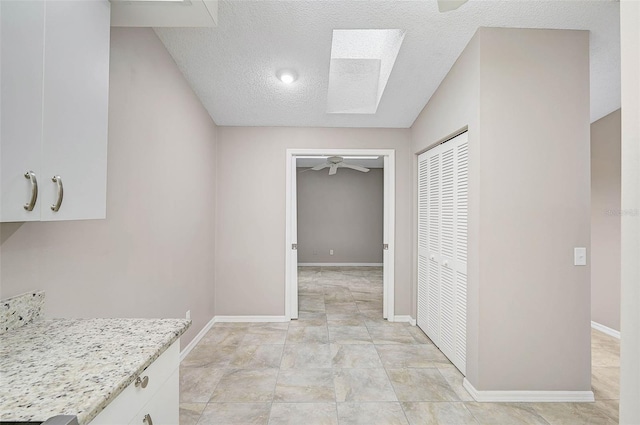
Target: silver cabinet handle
<point>147,419</point>
<point>58,180</point>
<point>142,382</point>
<point>445,263</point>
<point>34,190</point>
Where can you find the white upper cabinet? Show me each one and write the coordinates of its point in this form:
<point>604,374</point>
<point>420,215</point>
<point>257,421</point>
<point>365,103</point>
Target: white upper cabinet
<point>75,112</point>
<point>54,121</point>
<point>21,60</point>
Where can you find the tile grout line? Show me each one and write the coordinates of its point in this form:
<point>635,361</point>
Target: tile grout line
<point>275,386</point>
<point>333,369</point>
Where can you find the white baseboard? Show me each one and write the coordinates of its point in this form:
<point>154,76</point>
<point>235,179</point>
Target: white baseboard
<point>339,264</point>
<point>406,318</point>
<point>185,352</point>
<point>605,329</point>
<point>276,319</point>
<point>528,396</point>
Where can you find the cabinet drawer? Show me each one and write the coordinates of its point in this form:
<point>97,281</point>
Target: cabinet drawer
<point>133,398</point>
<point>163,408</point>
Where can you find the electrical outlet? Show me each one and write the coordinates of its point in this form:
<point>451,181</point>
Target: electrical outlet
<point>188,315</point>
<point>579,256</point>
<point>331,252</point>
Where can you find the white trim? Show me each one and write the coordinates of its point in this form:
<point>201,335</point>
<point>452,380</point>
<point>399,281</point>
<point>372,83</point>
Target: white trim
<point>291,237</point>
<point>605,329</point>
<point>291,257</point>
<point>340,264</point>
<point>185,352</point>
<point>269,319</point>
<point>405,318</point>
<point>389,235</point>
<point>528,396</point>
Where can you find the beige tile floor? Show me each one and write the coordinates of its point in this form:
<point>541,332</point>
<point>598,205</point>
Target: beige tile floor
<point>341,363</point>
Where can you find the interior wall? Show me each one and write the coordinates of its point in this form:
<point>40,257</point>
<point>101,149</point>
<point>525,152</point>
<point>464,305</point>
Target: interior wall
<point>529,203</point>
<point>153,255</point>
<point>630,270</point>
<point>535,208</point>
<point>250,232</point>
<point>343,213</point>
<point>452,108</point>
<point>605,220</point>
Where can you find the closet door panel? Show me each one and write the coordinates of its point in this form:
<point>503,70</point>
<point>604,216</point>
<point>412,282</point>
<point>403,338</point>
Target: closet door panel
<point>461,239</point>
<point>433,302</point>
<point>423,262</point>
<point>460,355</point>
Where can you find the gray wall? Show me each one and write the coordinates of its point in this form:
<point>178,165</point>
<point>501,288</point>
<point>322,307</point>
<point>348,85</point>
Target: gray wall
<point>250,232</point>
<point>529,306</point>
<point>154,254</point>
<point>630,226</point>
<point>605,220</point>
<point>342,212</point>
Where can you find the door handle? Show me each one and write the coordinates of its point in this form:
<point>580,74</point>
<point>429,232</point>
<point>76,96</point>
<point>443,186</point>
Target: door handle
<point>445,263</point>
<point>58,181</point>
<point>34,190</point>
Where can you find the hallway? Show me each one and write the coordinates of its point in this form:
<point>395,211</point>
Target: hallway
<point>341,363</point>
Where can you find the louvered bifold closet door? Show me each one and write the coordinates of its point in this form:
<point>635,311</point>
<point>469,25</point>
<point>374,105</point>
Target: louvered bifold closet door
<point>442,247</point>
<point>428,244</point>
<point>461,223</point>
<point>447,252</point>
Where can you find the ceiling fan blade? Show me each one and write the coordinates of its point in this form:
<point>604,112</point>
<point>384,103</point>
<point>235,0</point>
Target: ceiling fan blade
<point>321,166</point>
<point>355,167</point>
<point>333,169</point>
<point>448,5</point>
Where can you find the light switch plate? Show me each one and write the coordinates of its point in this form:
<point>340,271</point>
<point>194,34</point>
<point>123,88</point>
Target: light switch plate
<point>579,256</point>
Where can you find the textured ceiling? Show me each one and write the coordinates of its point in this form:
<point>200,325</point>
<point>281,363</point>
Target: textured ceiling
<point>232,67</point>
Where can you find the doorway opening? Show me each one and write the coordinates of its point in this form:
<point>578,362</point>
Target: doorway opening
<point>327,159</point>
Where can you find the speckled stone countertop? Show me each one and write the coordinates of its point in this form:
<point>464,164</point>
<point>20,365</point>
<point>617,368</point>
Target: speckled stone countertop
<point>76,366</point>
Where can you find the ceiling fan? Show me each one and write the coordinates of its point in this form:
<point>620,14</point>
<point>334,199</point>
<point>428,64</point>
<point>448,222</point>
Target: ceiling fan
<point>447,5</point>
<point>335,162</point>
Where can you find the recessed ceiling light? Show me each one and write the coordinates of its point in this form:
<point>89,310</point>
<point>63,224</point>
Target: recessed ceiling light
<point>287,76</point>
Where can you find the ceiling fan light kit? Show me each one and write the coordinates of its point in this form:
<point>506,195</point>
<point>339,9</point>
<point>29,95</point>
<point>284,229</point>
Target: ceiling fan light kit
<point>335,162</point>
<point>449,5</point>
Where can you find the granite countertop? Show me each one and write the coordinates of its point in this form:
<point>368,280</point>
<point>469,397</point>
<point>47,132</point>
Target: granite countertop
<point>76,366</point>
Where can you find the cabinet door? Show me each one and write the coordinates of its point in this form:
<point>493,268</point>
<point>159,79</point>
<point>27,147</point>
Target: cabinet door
<point>21,63</point>
<point>76,91</point>
<point>163,408</point>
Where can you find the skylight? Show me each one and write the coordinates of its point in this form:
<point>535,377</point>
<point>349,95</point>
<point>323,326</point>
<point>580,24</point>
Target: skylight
<point>361,63</point>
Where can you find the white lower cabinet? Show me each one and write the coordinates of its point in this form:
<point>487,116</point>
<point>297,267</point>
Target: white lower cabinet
<point>153,399</point>
<point>163,408</point>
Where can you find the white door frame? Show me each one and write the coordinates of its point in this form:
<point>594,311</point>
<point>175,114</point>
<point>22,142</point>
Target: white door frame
<point>389,222</point>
